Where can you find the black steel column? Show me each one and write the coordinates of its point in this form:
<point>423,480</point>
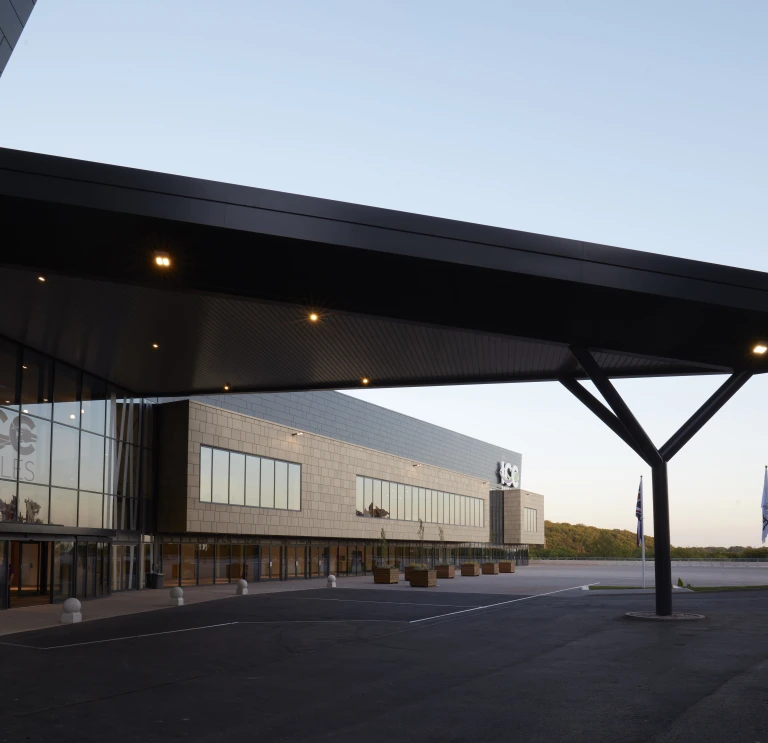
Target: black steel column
<point>662,551</point>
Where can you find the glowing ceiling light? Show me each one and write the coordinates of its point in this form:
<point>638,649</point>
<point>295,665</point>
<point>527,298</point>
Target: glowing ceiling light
<point>41,278</point>
<point>314,317</point>
<point>760,349</point>
<point>163,260</point>
<point>365,380</point>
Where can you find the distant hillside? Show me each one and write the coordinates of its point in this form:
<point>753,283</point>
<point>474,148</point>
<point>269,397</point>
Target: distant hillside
<point>578,540</point>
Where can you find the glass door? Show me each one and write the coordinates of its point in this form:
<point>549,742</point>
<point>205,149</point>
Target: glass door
<point>28,574</point>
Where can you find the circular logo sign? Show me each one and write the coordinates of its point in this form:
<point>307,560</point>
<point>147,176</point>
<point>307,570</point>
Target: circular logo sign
<point>509,474</point>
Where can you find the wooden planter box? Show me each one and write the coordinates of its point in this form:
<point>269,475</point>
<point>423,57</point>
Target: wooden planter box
<point>407,571</point>
<point>386,575</point>
<point>490,568</point>
<point>423,578</point>
<point>445,571</point>
<point>506,566</point>
<point>470,569</point>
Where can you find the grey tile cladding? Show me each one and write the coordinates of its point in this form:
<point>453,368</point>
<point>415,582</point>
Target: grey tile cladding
<point>358,422</point>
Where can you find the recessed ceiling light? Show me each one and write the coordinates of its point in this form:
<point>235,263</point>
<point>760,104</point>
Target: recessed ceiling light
<point>23,367</point>
<point>45,399</point>
<point>163,260</point>
<point>313,317</point>
<point>154,345</point>
<point>365,380</point>
<point>8,402</point>
<point>72,416</point>
<point>41,278</point>
<point>760,349</point>
<point>226,387</point>
<point>25,411</point>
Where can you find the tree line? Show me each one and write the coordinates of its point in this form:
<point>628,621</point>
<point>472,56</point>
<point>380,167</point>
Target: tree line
<point>578,540</point>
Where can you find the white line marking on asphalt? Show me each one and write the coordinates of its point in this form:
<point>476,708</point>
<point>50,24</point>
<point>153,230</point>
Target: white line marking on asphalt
<point>501,603</point>
<point>207,626</point>
<point>368,601</point>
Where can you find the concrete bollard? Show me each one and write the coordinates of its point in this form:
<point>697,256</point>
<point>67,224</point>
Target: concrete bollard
<point>70,613</point>
<point>242,587</point>
<point>177,596</point>
<point>331,583</point>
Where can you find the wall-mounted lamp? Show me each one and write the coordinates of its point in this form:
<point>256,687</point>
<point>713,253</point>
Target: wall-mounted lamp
<point>298,433</point>
<point>417,465</point>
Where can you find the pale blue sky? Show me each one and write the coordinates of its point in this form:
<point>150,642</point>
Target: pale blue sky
<point>633,124</point>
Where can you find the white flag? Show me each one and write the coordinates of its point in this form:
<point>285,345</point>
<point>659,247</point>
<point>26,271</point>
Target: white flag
<point>764,505</point>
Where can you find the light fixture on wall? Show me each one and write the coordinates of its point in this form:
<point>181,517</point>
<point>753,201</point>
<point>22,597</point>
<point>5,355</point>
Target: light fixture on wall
<point>163,260</point>
<point>417,465</point>
<point>298,433</point>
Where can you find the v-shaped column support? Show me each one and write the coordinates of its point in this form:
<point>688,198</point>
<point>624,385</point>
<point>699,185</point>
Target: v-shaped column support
<point>620,419</point>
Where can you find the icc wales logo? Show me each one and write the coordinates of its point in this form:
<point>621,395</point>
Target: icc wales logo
<point>509,474</point>
<point>21,434</point>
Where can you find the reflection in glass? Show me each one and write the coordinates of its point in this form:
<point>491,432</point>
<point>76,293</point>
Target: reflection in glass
<point>108,518</point>
<point>32,438</point>
<point>294,487</point>
<point>408,502</point>
<point>252,480</point>
<point>7,500</point>
<point>63,507</point>
<point>368,499</point>
<point>206,471</point>
<point>220,493</point>
<point>63,570</point>
<point>9,457</point>
<point>94,404</point>
<point>401,501</point>
<point>428,517</point>
<point>281,485</point>
<point>223,570</point>
<point>268,483</point>
<point>205,554</point>
<point>9,365</point>
<point>33,504</point>
<point>170,553</point>
<point>92,462</point>
<point>359,496</point>
<point>64,457</point>
<point>36,378</point>
<point>89,510</point>
<point>384,500</point>
<point>236,479</point>
<point>377,498</point>
<point>189,564</point>
<point>66,408</point>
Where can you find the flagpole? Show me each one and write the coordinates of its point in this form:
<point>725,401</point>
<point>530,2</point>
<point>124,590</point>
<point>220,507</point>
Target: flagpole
<point>642,528</point>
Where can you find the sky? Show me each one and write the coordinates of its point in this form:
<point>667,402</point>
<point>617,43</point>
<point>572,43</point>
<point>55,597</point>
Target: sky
<point>640,125</point>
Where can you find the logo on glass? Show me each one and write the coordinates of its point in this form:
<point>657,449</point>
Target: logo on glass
<point>21,434</point>
<point>509,474</point>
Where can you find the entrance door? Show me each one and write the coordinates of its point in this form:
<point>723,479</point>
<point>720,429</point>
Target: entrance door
<point>28,566</point>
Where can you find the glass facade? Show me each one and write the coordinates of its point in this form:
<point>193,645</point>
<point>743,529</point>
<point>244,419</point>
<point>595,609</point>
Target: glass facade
<point>218,560</point>
<point>390,500</point>
<point>237,479</point>
<point>71,447</point>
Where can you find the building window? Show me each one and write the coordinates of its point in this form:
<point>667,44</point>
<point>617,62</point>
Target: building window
<point>531,523</point>
<point>390,500</point>
<point>240,479</point>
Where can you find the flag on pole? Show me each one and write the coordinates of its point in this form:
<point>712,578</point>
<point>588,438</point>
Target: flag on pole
<point>639,512</point>
<point>764,505</point>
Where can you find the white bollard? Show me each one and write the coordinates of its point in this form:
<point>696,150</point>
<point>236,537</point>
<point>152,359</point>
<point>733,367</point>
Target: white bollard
<point>331,583</point>
<point>242,587</point>
<point>70,613</point>
<point>177,596</point>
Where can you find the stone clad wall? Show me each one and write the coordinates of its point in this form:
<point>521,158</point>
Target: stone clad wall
<point>328,483</point>
<point>515,501</point>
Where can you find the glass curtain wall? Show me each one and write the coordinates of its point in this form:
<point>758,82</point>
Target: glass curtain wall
<point>74,451</point>
<point>229,477</point>
<point>388,500</point>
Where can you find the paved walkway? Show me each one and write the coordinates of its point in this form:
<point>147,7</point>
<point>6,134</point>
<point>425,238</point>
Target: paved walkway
<point>29,618</point>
